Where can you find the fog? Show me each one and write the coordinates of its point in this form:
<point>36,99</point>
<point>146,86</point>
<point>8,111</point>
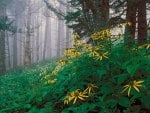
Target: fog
<point>39,34</point>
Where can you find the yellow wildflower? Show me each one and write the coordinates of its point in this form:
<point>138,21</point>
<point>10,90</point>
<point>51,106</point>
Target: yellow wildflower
<point>90,88</point>
<point>129,23</point>
<point>54,72</point>
<point>104,34</point>
<point>51,81</point>
<point>147,46</point>
<point>135,84</point>
<point>46,76</point>
<point>76,36</point>
<point>74,96</point>
<point>102,55</point>
<point>93,51</point>
<point>72,52</point>
<point>62,62</point>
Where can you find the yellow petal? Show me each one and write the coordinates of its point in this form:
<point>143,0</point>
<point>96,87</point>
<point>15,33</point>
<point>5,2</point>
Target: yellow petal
<point>124,89</point>
<point>140,81</point>
<point>75,100</point>
<point>126,85</point>
<point>81,98</point>
<point>129,90</point>
<point>136,88</point>
<point>138,85</point>
<point>89,90</point>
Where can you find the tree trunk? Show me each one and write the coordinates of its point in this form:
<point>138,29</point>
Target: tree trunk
<point>15,50</point>
<point>27,57</point>
<point>8,50</point>
<point>60,34</point>
<point>68,36</point>
<point>15,43</point>
<point>47,40</point>
<point>2,52</point>
<point>2,44</point>
<point>142,23</point>
<point>104,12</point>
<point>130,17</point>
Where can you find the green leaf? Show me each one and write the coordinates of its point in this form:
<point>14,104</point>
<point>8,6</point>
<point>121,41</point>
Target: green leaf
<point>121,78</point>
<point>27,106</point>
<point>124,101</point>
<point>146,101</point>
<point>101,73</point>
<point>132,69</point>
<point>111,103</point>
<point>106,89</point>
<point>42,111</point>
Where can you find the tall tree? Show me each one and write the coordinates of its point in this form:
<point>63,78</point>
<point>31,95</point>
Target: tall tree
<point>27,57</point>
<point>15,53</point>
<point>47,40</point>
<point>130,17</point>
<point>2,38</point>
<point>142,22</point>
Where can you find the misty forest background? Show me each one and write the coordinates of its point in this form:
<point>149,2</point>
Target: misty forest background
<point>74,56</point>
<point>35,32</point>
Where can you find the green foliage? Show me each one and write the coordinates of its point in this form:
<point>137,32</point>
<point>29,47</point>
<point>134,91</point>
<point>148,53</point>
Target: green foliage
<point>125,66</point>
<point>6,24</point>
<point>117,84</point>
<point>22,91</point>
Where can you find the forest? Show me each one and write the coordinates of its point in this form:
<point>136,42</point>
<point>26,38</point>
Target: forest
<point>74,56</point>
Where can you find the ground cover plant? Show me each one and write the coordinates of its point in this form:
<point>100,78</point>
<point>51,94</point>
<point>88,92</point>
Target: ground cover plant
<point>104,76</point>
<point>22,91</point>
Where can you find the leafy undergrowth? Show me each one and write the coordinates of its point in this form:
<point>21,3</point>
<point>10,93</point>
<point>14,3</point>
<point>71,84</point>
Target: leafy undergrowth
<point>22,91</point>
<point>102,78</point>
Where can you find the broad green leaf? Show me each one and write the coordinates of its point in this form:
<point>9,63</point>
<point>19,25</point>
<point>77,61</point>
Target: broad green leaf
<point>124,101</point>
<point>146,101</point>
<point>132,69</point>
<point>122,78</point>
<point>106,89</point>
<point>111,103</point>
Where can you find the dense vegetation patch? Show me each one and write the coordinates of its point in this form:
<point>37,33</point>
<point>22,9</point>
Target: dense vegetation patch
<point>105,77</point>
<point>102,77</point>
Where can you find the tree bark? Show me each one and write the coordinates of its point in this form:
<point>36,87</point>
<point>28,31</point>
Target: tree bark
<point>27,57</point>
<point>142,22</point>
<point>2,44</point>
<point>130,17</point>
<point>2,52</point>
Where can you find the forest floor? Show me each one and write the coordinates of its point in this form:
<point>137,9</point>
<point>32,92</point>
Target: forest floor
<point>20,89</point>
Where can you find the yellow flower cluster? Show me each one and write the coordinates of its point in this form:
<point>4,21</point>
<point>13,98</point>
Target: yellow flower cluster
<point>97,53</point>
<point>123,24</point>
<point>101,35</point>
<point>74,96</point>
<point>134,84</point>
<point>79,95</point>
<point>85,46</point>
<point>50,77</point>
<point>77,41</point>
<point>62,62</point>
<point>117,36</point>
<point>51,81</point>
<point>106,34</point>
<point>72,53</point>
<point>90,88</point>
